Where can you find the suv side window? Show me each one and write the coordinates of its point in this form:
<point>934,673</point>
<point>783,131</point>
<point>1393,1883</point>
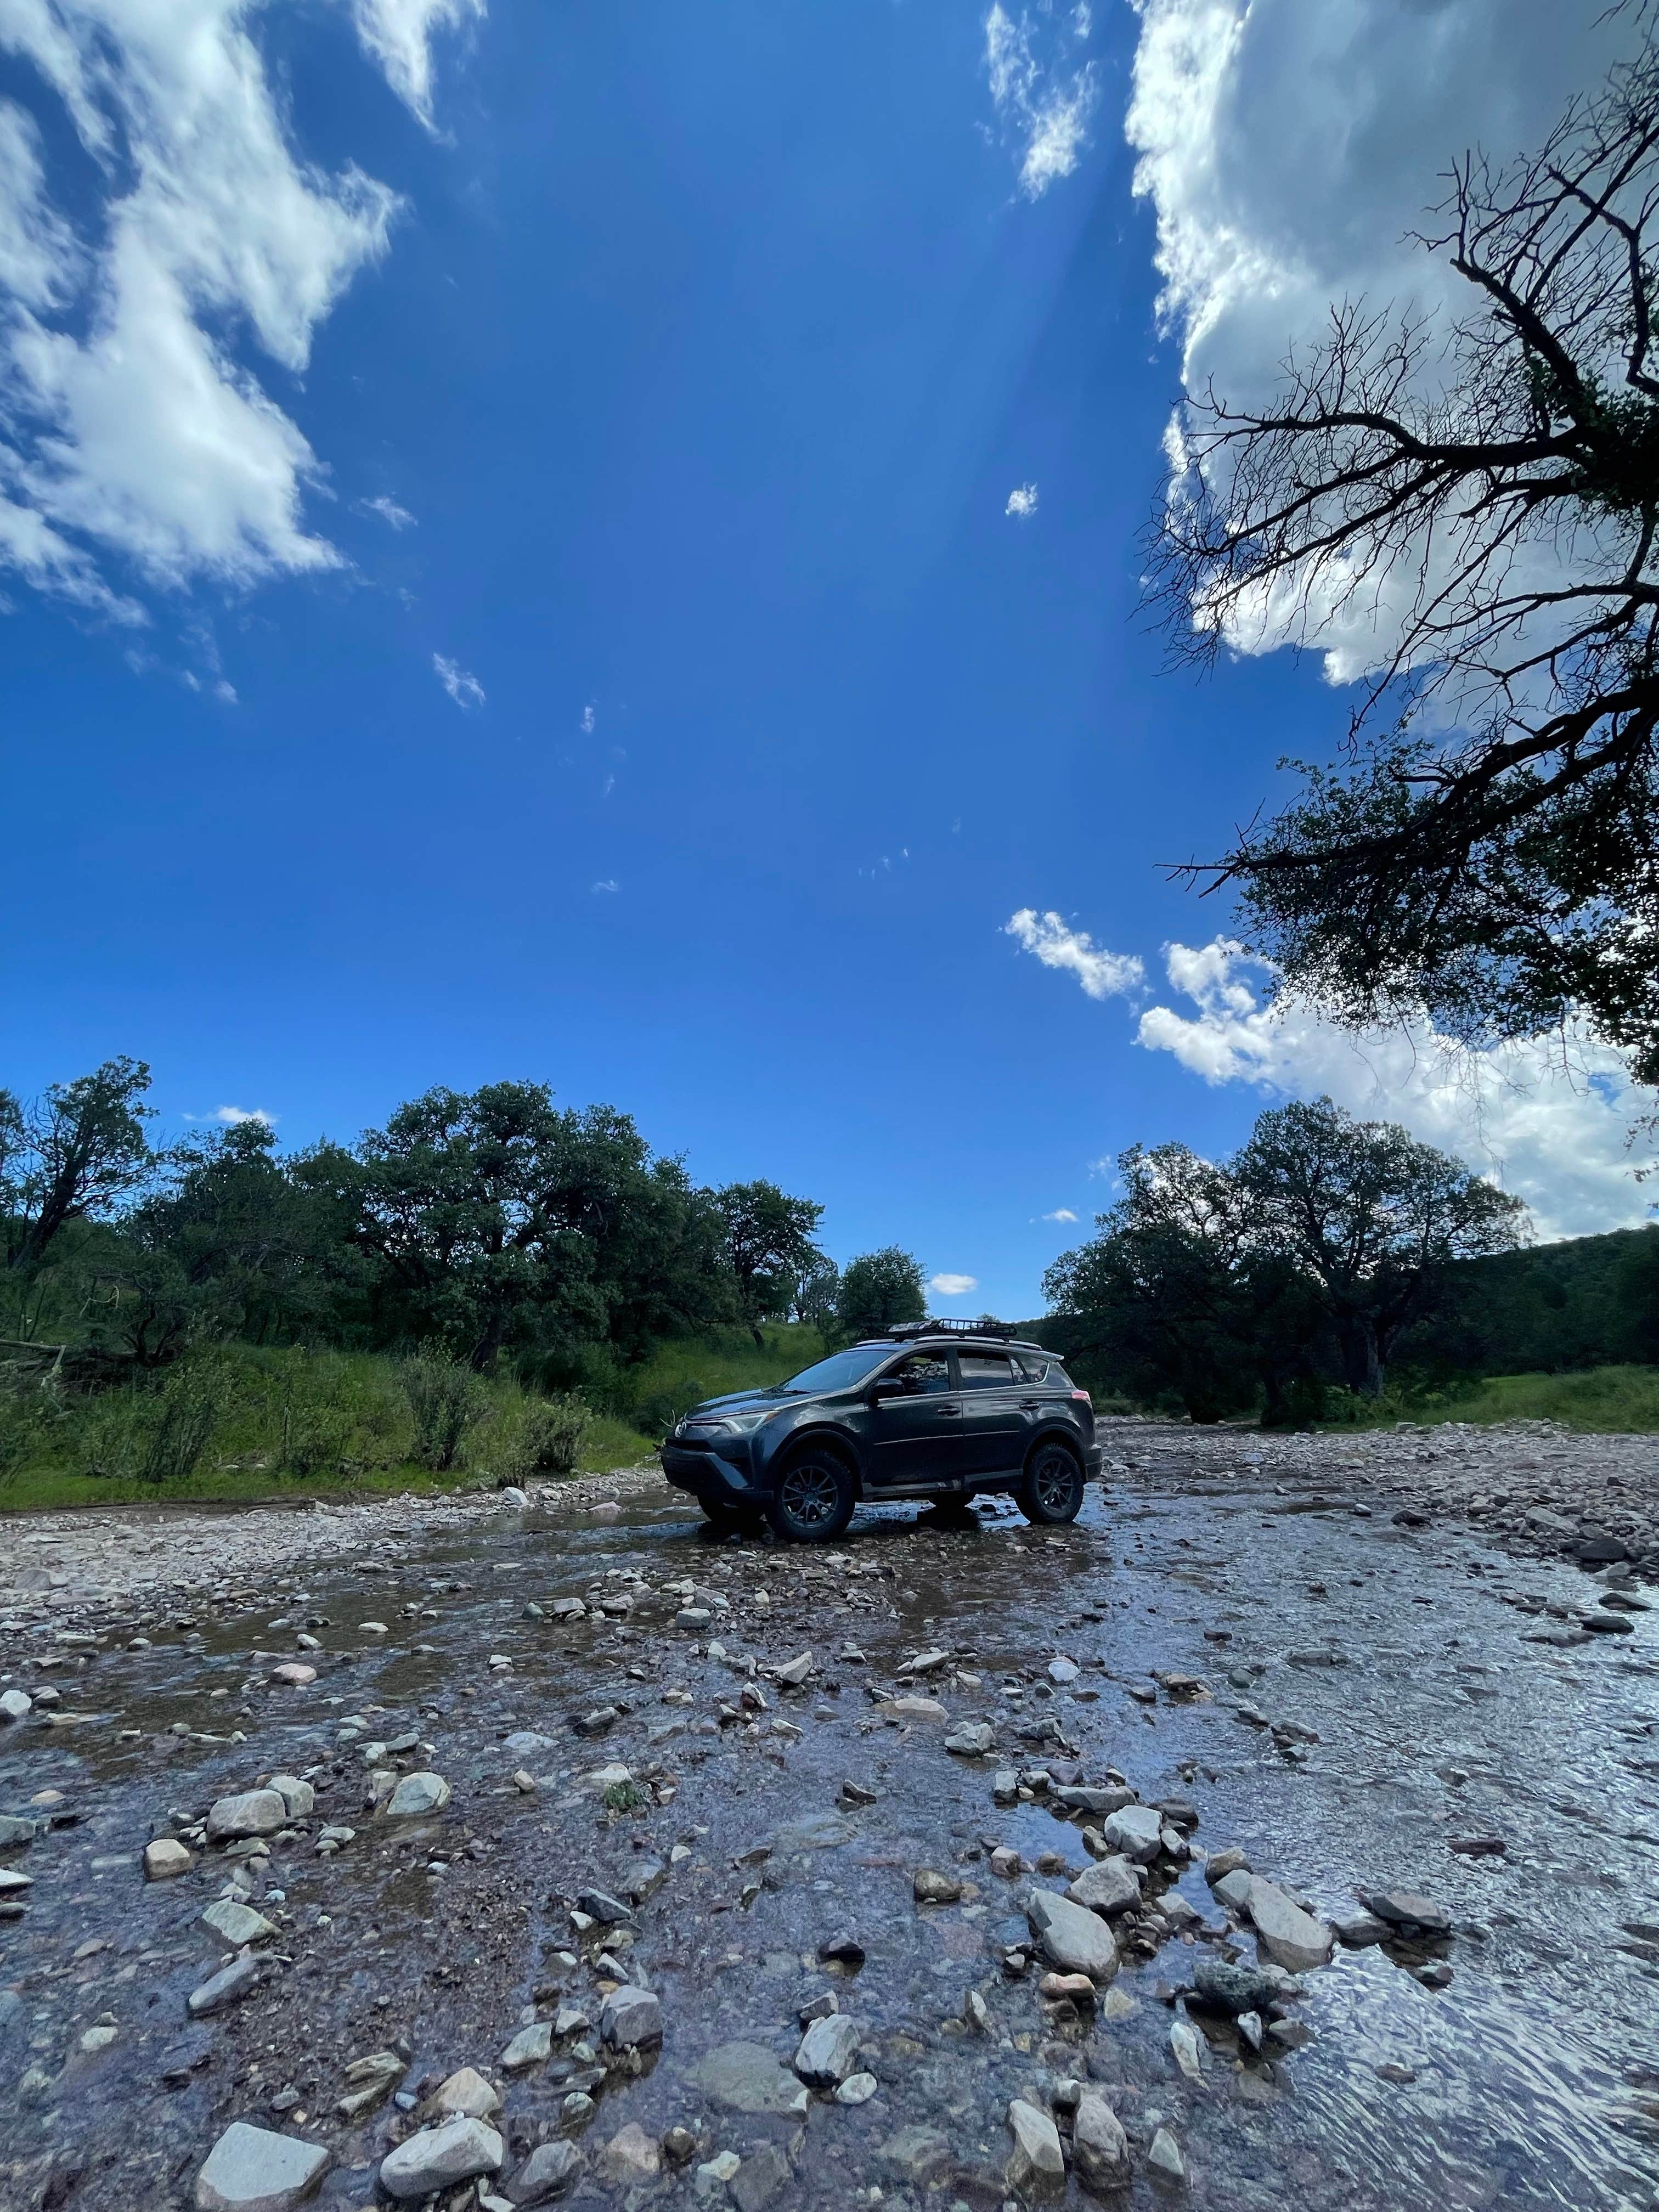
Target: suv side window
<point>924,1370</point>
<point>986,1370</point>
<point>1037,1369</point>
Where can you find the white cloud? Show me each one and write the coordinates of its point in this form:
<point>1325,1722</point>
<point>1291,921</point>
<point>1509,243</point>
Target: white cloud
<point>1060,1213</point>
<point>607,884</point>
<point>1041,98</point>
<point>465,691</point>
<point>953,1286</point>
<point>1554,1132</point>
<point>395,517</point>
<point>1291,147</point>
<point>1022,500</point>
<point>130,422</point>
<point>1102,975</point>
<point>586,725</point>
<point>232,1114</point>
<point>398,34</point>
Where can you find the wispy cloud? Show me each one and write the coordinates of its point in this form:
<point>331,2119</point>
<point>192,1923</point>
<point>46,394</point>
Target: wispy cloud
<point>953,1286</point>
<point>398,33</point>
<point>1042,96</point>
<point>1022,501</point>
<point>396,517</point>
<point>607,884</point>
<point>230,1116</point>
<point>465,691</point>
<point>586,723</point>
<point>1102,975</point>
<point>1060,1213</point>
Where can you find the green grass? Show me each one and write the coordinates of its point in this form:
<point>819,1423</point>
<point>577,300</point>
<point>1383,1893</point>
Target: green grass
<point>351,1408</point>
<point>1601,1401</point>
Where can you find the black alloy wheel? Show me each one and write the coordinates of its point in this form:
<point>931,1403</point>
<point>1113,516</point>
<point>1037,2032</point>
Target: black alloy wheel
<point>1052,1491</point>
<point>813,1501</point>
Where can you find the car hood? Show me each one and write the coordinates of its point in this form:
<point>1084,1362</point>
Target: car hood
<point>739,1401</point>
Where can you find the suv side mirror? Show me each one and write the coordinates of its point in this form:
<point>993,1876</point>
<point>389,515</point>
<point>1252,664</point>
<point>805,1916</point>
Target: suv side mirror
<point>891,1386</point>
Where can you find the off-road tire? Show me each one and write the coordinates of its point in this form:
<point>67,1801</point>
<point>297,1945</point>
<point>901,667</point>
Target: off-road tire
<point>1051,1493</point>
<point>814,1499</point>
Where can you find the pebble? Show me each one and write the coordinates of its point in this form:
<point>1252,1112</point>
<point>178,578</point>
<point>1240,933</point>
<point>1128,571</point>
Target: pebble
<point>252,2169</point>
<point>857,2089</point>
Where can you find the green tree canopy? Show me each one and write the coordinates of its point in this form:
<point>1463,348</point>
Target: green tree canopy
<point>768,1243</point>
<point>878,1289</point>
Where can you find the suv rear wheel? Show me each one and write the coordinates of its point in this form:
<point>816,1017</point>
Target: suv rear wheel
<point>1052,1491</point>
<point>814,1499</point>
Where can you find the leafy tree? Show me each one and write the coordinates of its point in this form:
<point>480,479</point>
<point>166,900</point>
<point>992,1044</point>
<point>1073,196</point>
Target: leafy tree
<point>768,1243</point>
<point>73,1156</point>
<point>1370,1216</point>
<point>878,1290</point>
<point>815,1295</point>
<point>1492,486</point>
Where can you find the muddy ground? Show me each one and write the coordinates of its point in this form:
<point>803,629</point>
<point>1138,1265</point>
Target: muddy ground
<point>1246,1633</point>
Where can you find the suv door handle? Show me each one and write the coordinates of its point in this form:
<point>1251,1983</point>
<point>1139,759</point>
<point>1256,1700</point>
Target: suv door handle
<point>1030,1405</point>
<point>949,1409</point>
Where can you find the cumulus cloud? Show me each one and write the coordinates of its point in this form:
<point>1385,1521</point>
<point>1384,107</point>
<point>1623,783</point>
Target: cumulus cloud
<point>1551,1127</point>
<point>953,1286</point>
<point>131,423</point>
<point>394,517</point>
<point>1044,96</point>
<point>1060,1213</point>
<point>232,1114</point>
<point>1022,500</point>
<point>465,691</point>
<point>1290,147</point>
<point>1102,975</point>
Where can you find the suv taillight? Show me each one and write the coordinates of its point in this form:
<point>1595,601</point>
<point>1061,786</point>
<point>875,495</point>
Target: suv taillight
<point>1082,1398</point>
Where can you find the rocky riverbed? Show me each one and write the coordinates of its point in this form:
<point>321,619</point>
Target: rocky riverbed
<point>1290,1825</point>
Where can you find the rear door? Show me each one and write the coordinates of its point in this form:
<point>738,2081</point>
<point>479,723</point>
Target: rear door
<point>917,1438</point>
<point>994,1411</point>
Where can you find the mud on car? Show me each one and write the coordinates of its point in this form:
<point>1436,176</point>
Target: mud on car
<point>932,1410</point>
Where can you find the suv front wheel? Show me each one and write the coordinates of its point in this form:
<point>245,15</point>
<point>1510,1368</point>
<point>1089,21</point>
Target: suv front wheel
<point>814,1499</point>
<point>1052,1491</point>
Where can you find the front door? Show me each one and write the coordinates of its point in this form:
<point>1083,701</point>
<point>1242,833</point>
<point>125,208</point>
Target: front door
<point>917,1438</point>
<point>994,1419</point>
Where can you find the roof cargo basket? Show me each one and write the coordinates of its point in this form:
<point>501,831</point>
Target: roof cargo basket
<point>1003,1330</point>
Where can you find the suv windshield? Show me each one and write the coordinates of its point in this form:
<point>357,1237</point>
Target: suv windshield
<point>842,1371</point>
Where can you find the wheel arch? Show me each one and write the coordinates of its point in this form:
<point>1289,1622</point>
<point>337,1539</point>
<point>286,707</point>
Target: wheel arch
<point>833,1441</point>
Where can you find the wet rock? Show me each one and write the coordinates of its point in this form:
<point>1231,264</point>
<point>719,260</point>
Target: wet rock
<point>917,2154</point>
<point>531,2046</point>
<point>632,2018</point>
<point>16,1705</point>
<point>1072,1937</point>
<point>1184,2043</point>
<point>1220,1864</point>
<point>1062,1669</point>
<point>599,1905</point>
<point>238,1924</point>
<point>1248,2024</point>
<point>165,1858</point>
<point>631,2157</point>
<point>857,1793</point>
<point>1291,1937</point>
<point>841,1951</point>
<point>295,1673</point>
<point>1036,2165</point>
<point>1090,1797</point>
<point>1358,1930</point>
<point>828,2050</point>
<point>1006,1863</point>
<point>1005,1787</point>
<point>1111,1885</point>
<point>971,1740</point>
<point>437,2158</point>
<point>1234,1989</point>
<point>417,1794</point>
<point>568,1608</point>
<point>223,1988</point>
<point>298,1798</point>
<point>1165,2159</point>
<point>1136,1831</point>
<point>931,1888</point>
<point>761,2179</point>
<point>857,2089</point>
<point>14,1834</point>
<point>1403,1908</point>
<point>796,1671</point>
<point>747,2077</point>
<point>916,1708</point>
<point>466,2095</point>
<point>254,1812</point>
<point>1100,2149</point>
<point>253,2170</point>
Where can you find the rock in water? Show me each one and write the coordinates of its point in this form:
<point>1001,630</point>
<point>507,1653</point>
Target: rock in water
<point>1109,1886</point>
<point>418,1793</point>
<point>466,2096</point>
<point>1184,2043</point>
<point>746,2077</point>
<point>439,2157</point>
<point>632,2017</point>
<point>1100,2149</point>
<point>827,2051</point>
<point>1403,1908</point>
<point>165,1858</point>
<point>16,1705</point>
<point>255,1813</point>
<point>1289,1937</point>
<point>1037,2166</point>
<point>254,2170</point>
<point>529,2047</point>
<point>971,1740</point>
<point>631,2157</point>
<point>224,1988</point>
<point>762,2179</point>
<point>1074,1939</point>
<point>550,2168</point>
<point>1234,1989</point>
<point>932,1888</point>
<point>1165,2156</point>
<point>1137,1831</point>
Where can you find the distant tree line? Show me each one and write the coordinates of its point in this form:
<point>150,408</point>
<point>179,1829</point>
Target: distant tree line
<point>1306,1261</point>
<point>492,1225</point>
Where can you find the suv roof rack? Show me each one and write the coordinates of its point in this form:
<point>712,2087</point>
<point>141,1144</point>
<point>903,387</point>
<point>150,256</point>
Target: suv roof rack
<point>1002,1330</point>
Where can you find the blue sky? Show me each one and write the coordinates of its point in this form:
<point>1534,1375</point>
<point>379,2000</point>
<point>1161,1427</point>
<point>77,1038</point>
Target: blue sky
<point>690,716</point>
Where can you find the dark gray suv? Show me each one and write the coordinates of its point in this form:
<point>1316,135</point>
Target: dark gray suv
<point>933,1411</point>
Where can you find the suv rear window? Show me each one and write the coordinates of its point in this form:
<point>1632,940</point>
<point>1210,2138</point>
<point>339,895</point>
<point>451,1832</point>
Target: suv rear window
<point>1036,1368</point>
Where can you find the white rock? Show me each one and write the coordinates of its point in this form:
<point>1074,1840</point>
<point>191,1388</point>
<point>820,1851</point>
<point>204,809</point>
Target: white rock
<point>1074,1939</point>
<point>165,1858</point>
<point>827,2051</point>
<point>1291,1937</point>
<point>254,1812</point>
<point>255,2170</point>
<point>529,2047</point>
<point>466,2095</point>
<point>1136,1831</point>
<point>1111,1885</point>
<point>418,1793</point>
<point>857,2089</point>
<point>14,1705</point>
<point>1183,2041</point>
<point>238,1924</point>
<point>439,2157</point>
<point>299,1797</point>
<point>1165,2156</point>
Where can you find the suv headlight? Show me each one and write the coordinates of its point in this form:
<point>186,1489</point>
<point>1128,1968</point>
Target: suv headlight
<point>740,1424</point>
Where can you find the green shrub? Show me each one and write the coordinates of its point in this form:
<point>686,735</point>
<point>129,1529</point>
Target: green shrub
<point>445,1401</point>
<point>26,1422</point>
<point>182,1417</point>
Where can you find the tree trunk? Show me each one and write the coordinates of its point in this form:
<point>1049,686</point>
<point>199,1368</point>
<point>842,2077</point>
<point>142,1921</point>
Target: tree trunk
<point>1362,1361</point>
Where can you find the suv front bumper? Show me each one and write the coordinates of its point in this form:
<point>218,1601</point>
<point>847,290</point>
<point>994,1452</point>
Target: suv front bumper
<point>706,1474</point>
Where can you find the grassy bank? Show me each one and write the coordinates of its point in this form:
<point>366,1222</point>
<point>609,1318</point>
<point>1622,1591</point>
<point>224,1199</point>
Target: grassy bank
<point>289,1423</point>
<point>1601,1401</point>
